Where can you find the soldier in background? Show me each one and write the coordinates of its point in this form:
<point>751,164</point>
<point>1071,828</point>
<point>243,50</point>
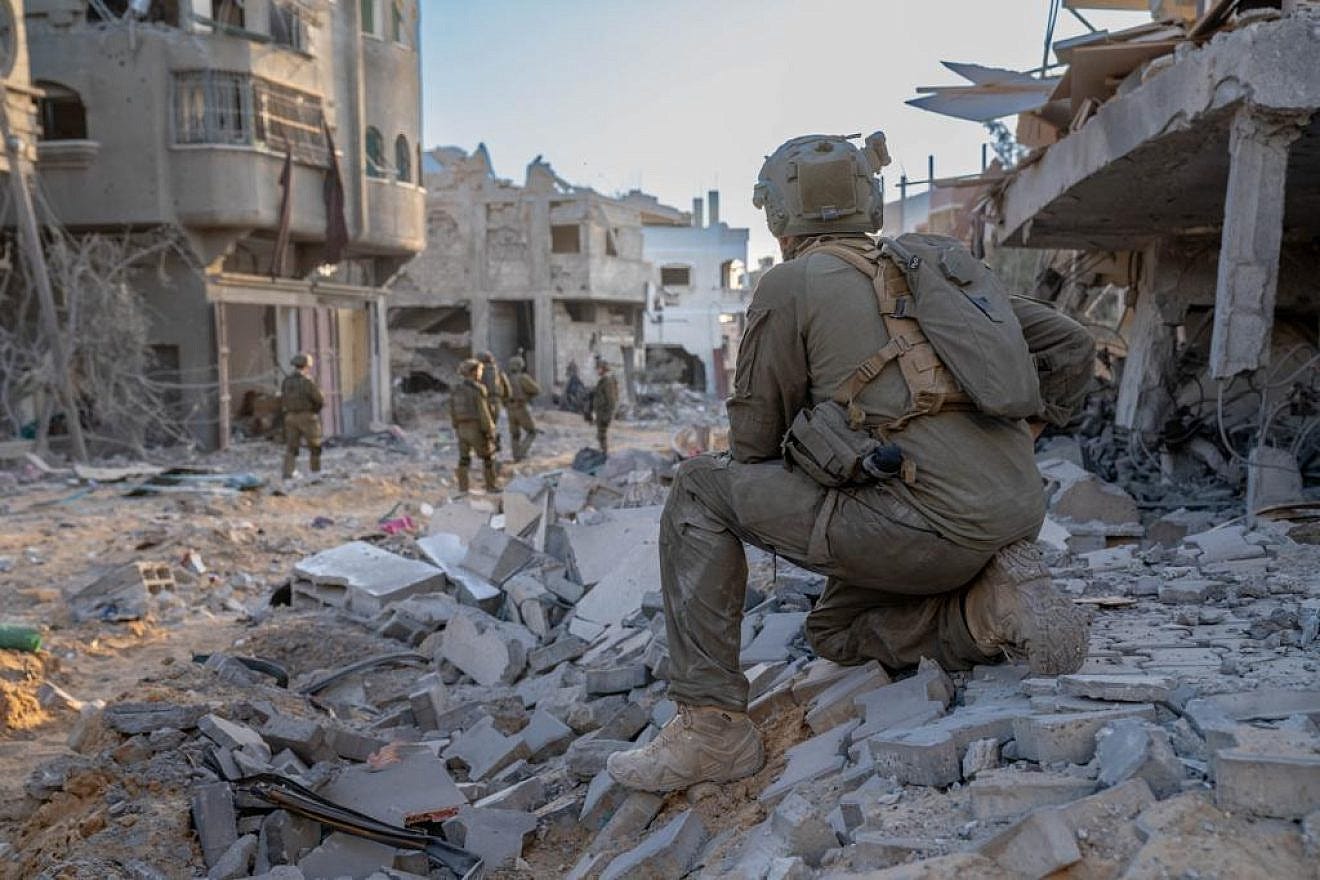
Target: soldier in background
<point>469,413</point>
<point>522,388</point>
<point>301,401</point>
<point>604,402</point>
<point>497,389</point>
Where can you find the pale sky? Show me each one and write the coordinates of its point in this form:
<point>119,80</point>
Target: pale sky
<point>680,96</point>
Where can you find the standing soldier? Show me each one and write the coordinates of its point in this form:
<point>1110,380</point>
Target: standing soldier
<point>469,413</point>
<point>497,389</point>
<point>522,388</point>
<point>301,401</point>
<point>604,401</point>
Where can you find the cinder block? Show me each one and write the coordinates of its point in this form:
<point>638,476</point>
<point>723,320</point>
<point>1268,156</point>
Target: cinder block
<point>303,737</point>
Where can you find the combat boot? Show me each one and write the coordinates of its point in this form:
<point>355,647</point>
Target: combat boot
<point>1013,609</point>
<point>489,476</point>
<point>701,744</point>
<point>314,453</point>
<point>463,479</point>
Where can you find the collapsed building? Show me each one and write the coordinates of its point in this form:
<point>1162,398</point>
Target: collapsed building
<point>559,273</point>
<point>697,309</point>
<point>1173,174</point>
<point>280,138</point>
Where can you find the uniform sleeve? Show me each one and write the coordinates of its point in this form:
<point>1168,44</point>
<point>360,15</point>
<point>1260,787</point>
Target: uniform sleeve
<point>483,418</point>
<point>314,392</point>
<point>1064,354</point>
<point>530,388</point>
<point>504,387</point>
<point>771,382</point>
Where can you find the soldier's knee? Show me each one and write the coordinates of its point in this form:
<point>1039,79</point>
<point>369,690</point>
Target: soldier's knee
<point>831,639</point>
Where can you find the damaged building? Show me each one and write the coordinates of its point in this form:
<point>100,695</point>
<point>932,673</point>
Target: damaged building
<point>279,137</point>
<point>559,273</point>
<point>1173,175</point>
<point>696,312</point>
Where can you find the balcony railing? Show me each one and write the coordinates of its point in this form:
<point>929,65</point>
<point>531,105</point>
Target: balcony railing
<point>219,107</point>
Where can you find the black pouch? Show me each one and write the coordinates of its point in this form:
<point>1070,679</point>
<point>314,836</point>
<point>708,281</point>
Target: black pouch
<point>821,443</point>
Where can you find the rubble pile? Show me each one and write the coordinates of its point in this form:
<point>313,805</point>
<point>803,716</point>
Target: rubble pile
<point>470,683</point>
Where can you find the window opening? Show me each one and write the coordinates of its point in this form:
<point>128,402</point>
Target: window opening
<point>375,152</point>
<point>287,27</point>
<point>228,12</point>
<point>402,159</point>
<point>676,276</point>
<point>565,240</point>
<point>61,114</point>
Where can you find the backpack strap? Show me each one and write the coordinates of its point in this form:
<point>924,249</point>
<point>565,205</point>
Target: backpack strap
<point>931,387</point>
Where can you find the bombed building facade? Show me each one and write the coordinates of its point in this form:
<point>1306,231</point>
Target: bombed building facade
<point>279,139</point>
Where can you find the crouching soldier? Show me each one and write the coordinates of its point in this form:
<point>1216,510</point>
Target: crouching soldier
<point>522,389</point>
<point>469,413</point>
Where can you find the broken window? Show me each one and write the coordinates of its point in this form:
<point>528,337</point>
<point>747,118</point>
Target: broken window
<point>228,12</point>
<point>158,11</point>
<point>565,239</point>
<point>212,107</point>
<point>676,276</point>
<point>369,17</point>
<point>611,249</point>
<point>402,160</point>
<point>107,10</point>
<point>375,152</point>
<point>291,119</point>
<point>287,27</point>
<point>61,113</point>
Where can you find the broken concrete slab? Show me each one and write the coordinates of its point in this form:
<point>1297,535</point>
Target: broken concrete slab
<point>619,593</point>
<point>231,735</point>
<point>1078,496</point>
<point>215,820</point>
<point>1008,793</point>
<point>484,750</point>
<point>808,760</point>
<point>458,519</point>
<point>908,703</point>
<point>497,836</point>
<point>587,755</point>
<point>409,785</point>
<point>496,556</point>
<point>1069,736</point>
<point>1033,847</point>
<point>1190,591</point>
<point>120,594</point>
<point>545,736</point>
<point>596,548</point>
<point>836,704</point>
<point>1132,748</point>
<point>667,854</point>
<point>566,647</point>
<point>362,578</point>
<point>342,855</point>
<point>135,718</point>
<point>932,753</point>
<point>779,631</point>
<point>284,839</point>
<point>632,816</point>
<point>1224,543</point>
<point>603,797</point>
<point>235,861</point>
<point>616,679</point>
<point>802,829</point>
<point>1282,783</point>
<point>490,651</point>
<point>1119,688</point>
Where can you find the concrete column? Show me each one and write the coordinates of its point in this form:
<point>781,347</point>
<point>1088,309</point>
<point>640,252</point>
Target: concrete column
<point>479,315</point>
<point>381,406</point>
<point>1253,230</point>
<point>538,252</point>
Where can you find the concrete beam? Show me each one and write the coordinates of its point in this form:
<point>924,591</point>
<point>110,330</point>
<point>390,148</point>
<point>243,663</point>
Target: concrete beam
<point>1253,231</point>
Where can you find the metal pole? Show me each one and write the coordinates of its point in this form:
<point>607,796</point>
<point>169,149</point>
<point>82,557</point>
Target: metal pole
<point>902,199</point>
<point>20,171</point>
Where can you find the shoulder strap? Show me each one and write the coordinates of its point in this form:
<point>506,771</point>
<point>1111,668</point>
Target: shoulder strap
<point>930,385</point>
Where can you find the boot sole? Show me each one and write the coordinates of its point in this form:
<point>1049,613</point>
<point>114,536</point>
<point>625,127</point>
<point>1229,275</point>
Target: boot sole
<point>733,775</point>
<point>1061,630</point>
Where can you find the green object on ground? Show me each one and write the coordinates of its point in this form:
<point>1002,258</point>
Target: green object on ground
<point>16,637</point>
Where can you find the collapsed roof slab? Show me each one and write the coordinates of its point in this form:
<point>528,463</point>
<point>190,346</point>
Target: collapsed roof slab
<point>1155,162</point>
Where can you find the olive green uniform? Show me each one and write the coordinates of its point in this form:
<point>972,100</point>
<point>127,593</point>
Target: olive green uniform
<point>469,414</point>
<point>896,555</point>
<point>497,390</point>
<point>301,401</point>
<point>522,388</point>
<point>604,402</point>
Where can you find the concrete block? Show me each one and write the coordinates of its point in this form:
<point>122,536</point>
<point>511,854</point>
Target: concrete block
<point>231,735</point>
<point>120,594</point>
<point>545,736</point>
<point>411,785</point>
<point>951,867</point>
<point>595,548</point>
<point>588,715</point>
<point>1079,496</point>
<point>484,750</point>
<point>836,705</point>
<point>603,797</point>
<point>873,849</point>
<point>772,703</point>
<point>1006,794</point>
<point>761,676</point>
<point>1033,847</point>
<point>788,869</point>
<point>1069,736</point>
<point>932,754</point>
<point>497,836</point>
<point>496,556</point>
<point>1119,688</point>
<point>235,861</point>
<point>488,650</point>
<point>1099,813</point>
<point>1133,748</point>
<point>586,756</point>
<point>214,818</point>
<point>284,838</point>
<point>912,702</point>
<point>342,855</point>
<point>303,737</point>
<point>1223,544</point>
<point>1189,591</point>
<point>459,519</point>
<point>1283,785</point>
<point>565,648</point>
<point>533,690</point>
<point>619,593</point>
<point>802,829</point>
<point>636,812</point>
<point>810,759</point>
<point>135,718</point>
<point>774,642</point>
<point>616,679</point>
<point>817,676</point>
<point>982,755</point>
<point>626,723</point>
<point>667,854</point>
<point>362,578</point>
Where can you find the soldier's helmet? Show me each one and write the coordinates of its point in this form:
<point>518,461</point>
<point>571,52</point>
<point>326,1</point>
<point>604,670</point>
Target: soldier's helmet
<point>517,364</point>
<point>300,360</point>
<point>820,184</point>
<point>469,367</point>
<point>487,357</point>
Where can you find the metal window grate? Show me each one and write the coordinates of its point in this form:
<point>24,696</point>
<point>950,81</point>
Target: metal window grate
<point>215,107</point>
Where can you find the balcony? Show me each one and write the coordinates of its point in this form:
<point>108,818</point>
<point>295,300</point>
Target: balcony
<point>589,276</point>
<point>223,186</point>
<point>396,217</point>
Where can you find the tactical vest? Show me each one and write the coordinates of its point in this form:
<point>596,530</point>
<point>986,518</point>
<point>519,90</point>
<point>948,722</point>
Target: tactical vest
<point>953,332</point>
<point>465,399</point>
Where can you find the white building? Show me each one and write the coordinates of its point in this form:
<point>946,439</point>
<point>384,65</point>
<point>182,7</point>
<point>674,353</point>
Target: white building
<point>698,296</point>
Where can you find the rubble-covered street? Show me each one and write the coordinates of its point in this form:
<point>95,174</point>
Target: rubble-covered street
<point>464,667</point>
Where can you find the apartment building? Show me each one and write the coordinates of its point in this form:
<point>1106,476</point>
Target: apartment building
<point>281,138</point>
